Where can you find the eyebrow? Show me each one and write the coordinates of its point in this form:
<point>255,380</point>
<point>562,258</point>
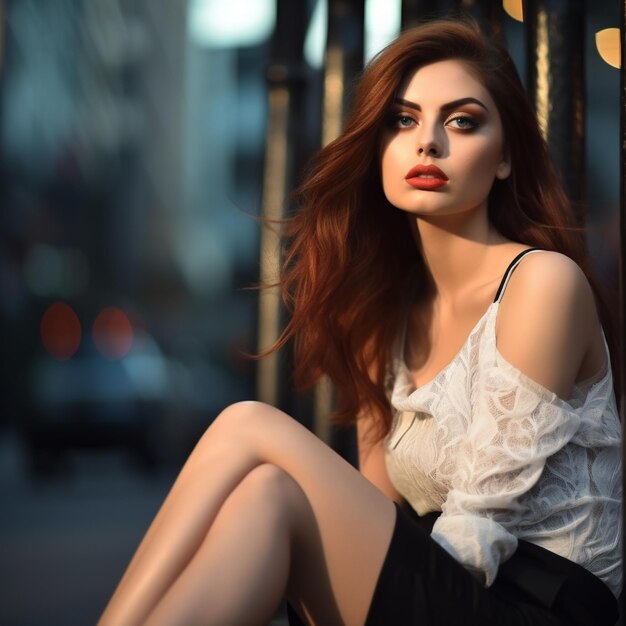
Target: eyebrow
<point>444,107</point>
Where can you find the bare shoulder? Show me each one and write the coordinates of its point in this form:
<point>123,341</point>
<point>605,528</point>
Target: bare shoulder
<point>547,322</point>
<point>550,283</point>
<point>550,276</point>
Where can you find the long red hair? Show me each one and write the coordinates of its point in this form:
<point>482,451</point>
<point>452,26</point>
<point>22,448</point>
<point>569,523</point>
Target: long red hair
<point>351,266</point>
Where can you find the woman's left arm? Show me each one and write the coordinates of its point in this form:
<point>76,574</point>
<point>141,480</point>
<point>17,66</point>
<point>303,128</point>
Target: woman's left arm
<point>546,330</point>
<point>547,324</point>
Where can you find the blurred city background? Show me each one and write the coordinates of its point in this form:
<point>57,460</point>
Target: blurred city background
<point>132,159</point>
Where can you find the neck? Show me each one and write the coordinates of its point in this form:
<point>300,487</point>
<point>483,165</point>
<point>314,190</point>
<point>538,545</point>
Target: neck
<point>456,250</point>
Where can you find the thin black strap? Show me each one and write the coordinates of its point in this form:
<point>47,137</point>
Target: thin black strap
<point>509,270</point>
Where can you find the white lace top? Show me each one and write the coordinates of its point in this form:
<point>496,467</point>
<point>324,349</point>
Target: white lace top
<point>504,458</point>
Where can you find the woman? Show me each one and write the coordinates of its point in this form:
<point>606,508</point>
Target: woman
<point>396,276</point>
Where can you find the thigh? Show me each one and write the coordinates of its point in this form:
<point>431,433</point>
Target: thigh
<point>344,540</point>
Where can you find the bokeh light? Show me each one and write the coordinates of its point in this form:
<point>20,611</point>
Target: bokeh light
<point>514,8</point>
<point>236,23</point>
<point>608,45</point>
<point>112,333</point>
<point>60,331</point>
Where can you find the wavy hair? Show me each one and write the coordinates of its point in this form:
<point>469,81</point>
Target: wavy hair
<point>351,266</point>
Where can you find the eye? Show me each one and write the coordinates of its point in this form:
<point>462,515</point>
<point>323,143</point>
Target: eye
<point>462,122</point>
<point>401,120</point>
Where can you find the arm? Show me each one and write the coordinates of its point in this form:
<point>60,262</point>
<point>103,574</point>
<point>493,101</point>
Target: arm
<point>546,329</point>
<point>547,324</point>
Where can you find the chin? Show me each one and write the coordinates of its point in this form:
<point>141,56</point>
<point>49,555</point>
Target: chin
<point>443,212</point>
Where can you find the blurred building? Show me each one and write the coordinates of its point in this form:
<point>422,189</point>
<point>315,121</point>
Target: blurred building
<point>131,152</point>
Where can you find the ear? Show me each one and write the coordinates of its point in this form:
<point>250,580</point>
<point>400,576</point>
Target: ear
<point>504,167</point>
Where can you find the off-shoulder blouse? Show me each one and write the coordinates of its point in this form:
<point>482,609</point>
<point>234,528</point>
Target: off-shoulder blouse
<point>503,458</point>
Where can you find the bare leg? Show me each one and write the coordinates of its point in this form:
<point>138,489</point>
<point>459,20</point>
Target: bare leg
<point>240,573</point>
<point>353,519</point>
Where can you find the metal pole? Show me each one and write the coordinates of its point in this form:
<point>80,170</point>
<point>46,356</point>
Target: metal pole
<point>488,13</point>
<point>344,59</point>
<point>622,275</point>
<point>285,77</point>
<point>415,12</point>
<point>555,32</point>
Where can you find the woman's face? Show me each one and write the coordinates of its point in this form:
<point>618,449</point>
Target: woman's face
<point>444,145</point>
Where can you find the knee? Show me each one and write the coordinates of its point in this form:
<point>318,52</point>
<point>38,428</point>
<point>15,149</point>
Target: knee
<point>242,419</point>
<point>270,479</point>
<point>274,487</point>
<point>239,413</point>
<point>242,425</point>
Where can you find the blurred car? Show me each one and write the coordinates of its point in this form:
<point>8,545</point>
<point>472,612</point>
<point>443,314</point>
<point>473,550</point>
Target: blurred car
<point>92,401</point>
<point>114,387</point>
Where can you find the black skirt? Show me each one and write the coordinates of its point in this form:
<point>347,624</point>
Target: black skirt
<point>421,584</point>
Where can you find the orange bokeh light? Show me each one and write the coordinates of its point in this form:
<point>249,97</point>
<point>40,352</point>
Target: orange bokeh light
<point>60,331</point>
<point>113,333</point>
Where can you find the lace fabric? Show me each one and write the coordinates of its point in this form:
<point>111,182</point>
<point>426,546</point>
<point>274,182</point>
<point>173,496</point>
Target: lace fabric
<point>504,458</point>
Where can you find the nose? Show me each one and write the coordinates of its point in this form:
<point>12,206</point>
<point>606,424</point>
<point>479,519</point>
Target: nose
<point>429,149</point>
<point>428,141</point>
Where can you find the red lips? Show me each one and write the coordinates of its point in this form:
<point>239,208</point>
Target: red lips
<point>428,177</point>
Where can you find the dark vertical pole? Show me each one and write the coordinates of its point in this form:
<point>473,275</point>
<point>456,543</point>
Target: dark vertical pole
<point>555,36</point>
<point>622,274</point>
<point>414,12</point>
<point>285,76</point>
<point>344,59</point>
<point>2,35</point>
<point>488,14</point>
